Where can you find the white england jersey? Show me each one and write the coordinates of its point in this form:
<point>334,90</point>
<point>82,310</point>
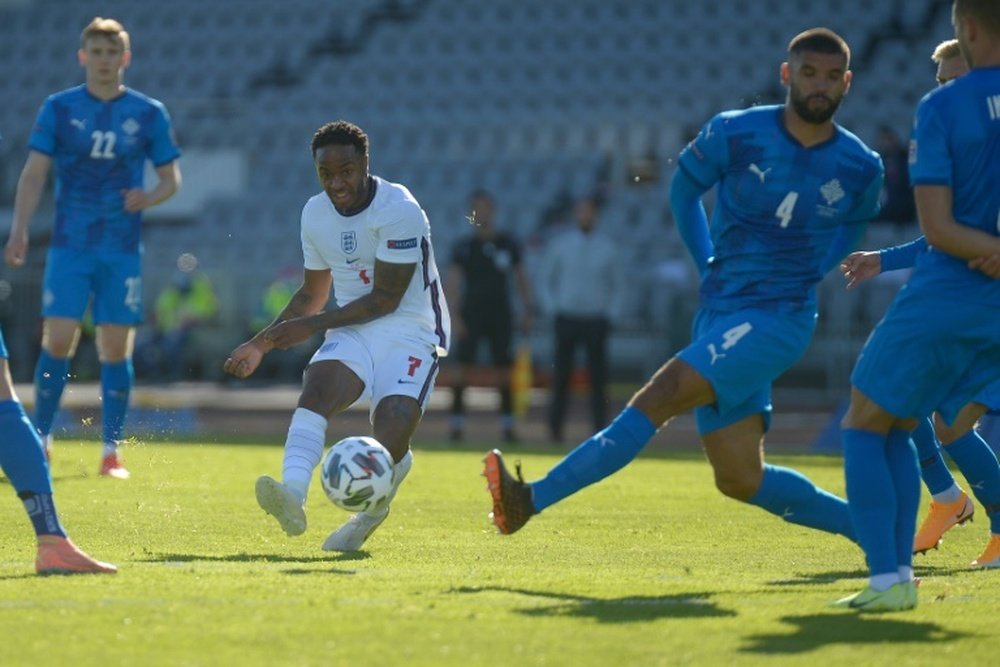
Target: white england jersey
<point>393,228</point>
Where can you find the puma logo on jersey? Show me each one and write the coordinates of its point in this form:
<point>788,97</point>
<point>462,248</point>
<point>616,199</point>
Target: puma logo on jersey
<point>716,355</point>
<point>78,124</point>
<point>754,169</point>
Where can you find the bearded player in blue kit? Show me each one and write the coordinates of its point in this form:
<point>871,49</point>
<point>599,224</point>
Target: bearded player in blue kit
<point>98,137</point>
<point>794,195</point>
<point>937,346</point>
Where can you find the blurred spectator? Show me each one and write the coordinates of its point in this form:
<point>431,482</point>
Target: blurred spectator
<point>898,205</point>
<point>186,304</point>
<point>482,267</point>
<point>580,287</point>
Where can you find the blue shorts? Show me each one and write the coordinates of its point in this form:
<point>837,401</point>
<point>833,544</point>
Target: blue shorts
<point>72,277</point>
<point>930,352</point>
<point>3,346</point>
<point>740,354</point>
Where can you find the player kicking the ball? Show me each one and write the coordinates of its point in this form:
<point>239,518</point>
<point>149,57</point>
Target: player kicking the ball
<point>371,240</point>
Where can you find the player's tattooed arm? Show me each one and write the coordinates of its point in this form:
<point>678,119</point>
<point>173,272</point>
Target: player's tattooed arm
<point>390,284</point>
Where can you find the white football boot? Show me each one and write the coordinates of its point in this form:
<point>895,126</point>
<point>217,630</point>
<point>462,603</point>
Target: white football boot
<point>352,535</point>
<point>278,500</point>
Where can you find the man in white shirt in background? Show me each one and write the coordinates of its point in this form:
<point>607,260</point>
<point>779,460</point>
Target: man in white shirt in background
<point>580,287</point>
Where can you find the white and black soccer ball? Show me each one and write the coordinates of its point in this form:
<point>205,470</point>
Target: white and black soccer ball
<point>357,474</point>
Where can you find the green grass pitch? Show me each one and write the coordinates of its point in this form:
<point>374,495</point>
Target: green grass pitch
<point>650,567</point>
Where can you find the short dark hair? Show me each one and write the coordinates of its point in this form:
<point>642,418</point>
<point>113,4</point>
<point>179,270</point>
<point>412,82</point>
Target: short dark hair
<point>985,11</point>
<point>819,40</point>
<point>343,133</point>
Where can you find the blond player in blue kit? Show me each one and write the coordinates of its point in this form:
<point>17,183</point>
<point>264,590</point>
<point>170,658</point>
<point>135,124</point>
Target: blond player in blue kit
<point>937,346</point>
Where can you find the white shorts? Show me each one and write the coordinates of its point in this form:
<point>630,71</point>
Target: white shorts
<point>388,364</point>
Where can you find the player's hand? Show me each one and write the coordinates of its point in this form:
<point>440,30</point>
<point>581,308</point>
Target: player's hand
<point>860,266</point>
<point>288,333</point>
<point>15,252</point>
<point>135,200</point>
<point>988,265</point>
<point>244,360</point>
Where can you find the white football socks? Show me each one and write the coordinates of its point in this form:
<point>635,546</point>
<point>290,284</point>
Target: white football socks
<point>303,450</point>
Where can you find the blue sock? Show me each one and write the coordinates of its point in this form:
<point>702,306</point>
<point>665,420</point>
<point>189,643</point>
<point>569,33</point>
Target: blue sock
<point>979,464</point>
<point>793,497</point>
<point>602,454</point>
<point>871,498</point>
<point>933,469</point>
<point>41,510</point>
<point>21,455</point>
<point>905,471</point>
<point>51,375</point>
<point>116,385</point>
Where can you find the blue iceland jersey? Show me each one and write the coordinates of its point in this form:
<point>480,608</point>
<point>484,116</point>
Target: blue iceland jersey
<point>99,148</point>
<point>956,143</point>
<point>778,206</point>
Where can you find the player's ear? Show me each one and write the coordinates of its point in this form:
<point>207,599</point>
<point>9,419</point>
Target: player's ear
<point>81,57</point>
<point>126,59</point>
<point>848,77</point>
<point>786,73</point>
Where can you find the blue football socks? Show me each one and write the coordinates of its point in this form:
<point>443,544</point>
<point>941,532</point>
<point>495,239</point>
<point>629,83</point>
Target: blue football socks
<point>51,375</point>
<point>602,454</point>
<point>793,497</point>
<point>23,461</point>
<point>902,458</point>
<point>933,468</point>
<point>871,497</point>
<point>21,455</point>
<point>979,465</point>
<point>116,385</point>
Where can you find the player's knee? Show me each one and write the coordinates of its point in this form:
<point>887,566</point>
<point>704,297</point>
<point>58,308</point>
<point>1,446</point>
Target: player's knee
<point>737,485</point>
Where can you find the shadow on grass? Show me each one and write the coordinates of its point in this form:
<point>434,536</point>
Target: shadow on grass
<point>612,610</point>
<point>820,630</point>
<point>819,578</point>
<point>267,558</point>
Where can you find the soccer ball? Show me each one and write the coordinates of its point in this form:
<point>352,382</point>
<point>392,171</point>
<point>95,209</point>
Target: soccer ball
<point>357,474</point>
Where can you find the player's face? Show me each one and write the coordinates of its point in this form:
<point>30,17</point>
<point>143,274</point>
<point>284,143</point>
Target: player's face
<point>343,173</point>
<point>951,68</point>
<point>817,83</point>
<point>104,59</point>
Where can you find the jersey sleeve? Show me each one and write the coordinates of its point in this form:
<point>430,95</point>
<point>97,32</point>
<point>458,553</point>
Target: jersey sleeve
<point>930,161</point>
<point>706,157</point>
<point>163,146</point>
<point>399,237</point>
<point>902,256</point>
<point>869,203</point>
<point>43,134</point>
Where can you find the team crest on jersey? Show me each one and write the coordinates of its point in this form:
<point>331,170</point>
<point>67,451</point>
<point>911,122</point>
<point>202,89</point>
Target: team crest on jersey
<point>348,241</point>
<point>130,126</point>
<point>832,191</point>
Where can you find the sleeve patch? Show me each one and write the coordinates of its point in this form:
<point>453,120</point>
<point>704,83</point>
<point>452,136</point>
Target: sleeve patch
<point>401,244</point>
